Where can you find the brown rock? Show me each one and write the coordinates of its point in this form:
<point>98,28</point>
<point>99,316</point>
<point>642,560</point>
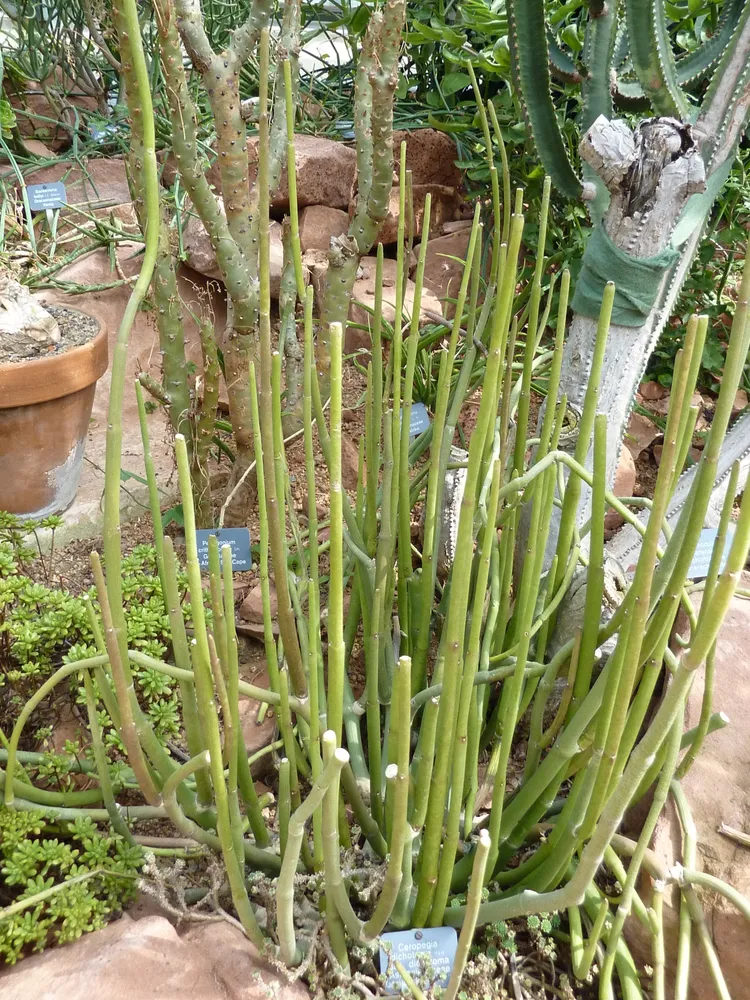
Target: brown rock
<point>325,173</point>
<point>168,165</point>
<point>640,433</point>
<point>320,509</point>
<point>624,486</point>
<point>653,390</point>
<point>430,155</point>
<point>456,227</point>
<point>256,735</point>
<point>201,257</point>
<point>658,450</point>
<point>718,790</point>
<point>318,223</point>
<point>445,205</point>
<point>364,295</point>
<point>314,267</point>
<point>442,274</point>
<point>144,959</point>
<point>251,609</point>
<point>740,402</point>
<point>349,462</point>
<point>38,148</point>
<point>240,972</point>
<point>36,116</point>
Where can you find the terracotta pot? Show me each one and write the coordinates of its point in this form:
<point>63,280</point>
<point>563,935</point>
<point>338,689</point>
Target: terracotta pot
<point>45,408</point>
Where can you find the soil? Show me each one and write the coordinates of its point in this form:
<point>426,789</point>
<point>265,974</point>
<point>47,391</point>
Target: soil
<point>76,329</point>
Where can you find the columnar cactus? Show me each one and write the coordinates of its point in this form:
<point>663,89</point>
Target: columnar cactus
<point>650,191</point>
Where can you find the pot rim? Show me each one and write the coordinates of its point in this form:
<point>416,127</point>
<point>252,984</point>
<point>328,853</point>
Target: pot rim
<point>24,383</point>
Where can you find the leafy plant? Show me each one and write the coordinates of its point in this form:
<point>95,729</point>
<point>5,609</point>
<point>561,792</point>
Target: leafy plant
<point>56,888</point>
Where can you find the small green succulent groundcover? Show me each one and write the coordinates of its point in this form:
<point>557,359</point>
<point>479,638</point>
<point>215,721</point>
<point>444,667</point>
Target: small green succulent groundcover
<point>43,625</point>
<point>83,878</point>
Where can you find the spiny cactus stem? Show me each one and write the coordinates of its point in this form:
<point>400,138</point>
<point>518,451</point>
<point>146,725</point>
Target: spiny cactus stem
<point>192,176</point>
<point>363,109</point>
<point>383,81</point>
<point>282,125</point>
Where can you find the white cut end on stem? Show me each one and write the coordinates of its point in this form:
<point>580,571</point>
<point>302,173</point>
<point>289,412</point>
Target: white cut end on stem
<point>342,756</point>
<point>391,772</point>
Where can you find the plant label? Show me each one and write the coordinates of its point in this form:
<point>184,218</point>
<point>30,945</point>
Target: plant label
<point>101,133</point>
<point>238,539</point>
<point>420,419</point>
<point>430,951</point>
<point>704,549</point>
<point>46,197</point>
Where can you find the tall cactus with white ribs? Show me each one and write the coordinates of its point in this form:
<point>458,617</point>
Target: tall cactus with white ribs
<point>649,191</point>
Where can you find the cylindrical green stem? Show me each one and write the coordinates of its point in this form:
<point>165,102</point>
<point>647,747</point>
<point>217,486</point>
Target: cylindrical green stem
<point>285,885</point>
<point>473,902</point>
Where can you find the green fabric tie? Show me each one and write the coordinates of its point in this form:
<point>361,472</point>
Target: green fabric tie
<point>637,280</point>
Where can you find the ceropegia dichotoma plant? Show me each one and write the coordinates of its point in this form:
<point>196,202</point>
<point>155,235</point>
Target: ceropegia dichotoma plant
<point>487,764</point>
<point>650,190</point>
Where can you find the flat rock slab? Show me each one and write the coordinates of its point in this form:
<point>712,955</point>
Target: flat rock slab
<point>325,173</point>
<point>717,787</point>
<point>149,960</point>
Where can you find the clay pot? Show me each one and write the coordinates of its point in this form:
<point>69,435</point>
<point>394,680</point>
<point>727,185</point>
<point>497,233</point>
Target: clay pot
<point>45,408</point>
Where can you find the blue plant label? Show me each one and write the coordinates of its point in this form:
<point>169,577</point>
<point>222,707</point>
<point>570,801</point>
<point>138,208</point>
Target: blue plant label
<point>46,197</point>
<point>704,549</point>
<point>430,950</point>
<point>420,419</point>
<point>238,539</point>
<point>100,133</point>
